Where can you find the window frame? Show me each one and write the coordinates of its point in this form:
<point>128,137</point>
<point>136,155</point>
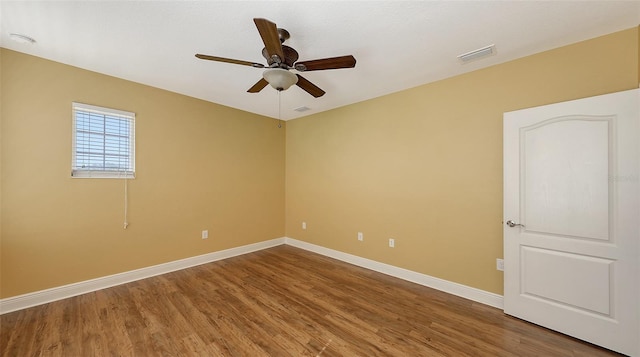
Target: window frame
<point>77,172</point>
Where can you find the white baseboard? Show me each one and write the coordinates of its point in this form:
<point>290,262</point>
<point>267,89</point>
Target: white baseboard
<point>464,291</point>
<point>66,291</point>
<point>20,302</point>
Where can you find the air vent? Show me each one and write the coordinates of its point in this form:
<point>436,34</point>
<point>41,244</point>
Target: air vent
<point>477,54</point>
<point>302,109</point>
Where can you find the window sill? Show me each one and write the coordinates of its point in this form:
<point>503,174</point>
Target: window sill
<point>103,174</point>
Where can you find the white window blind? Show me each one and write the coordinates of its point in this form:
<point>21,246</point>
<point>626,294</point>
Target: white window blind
<point>103,142</point>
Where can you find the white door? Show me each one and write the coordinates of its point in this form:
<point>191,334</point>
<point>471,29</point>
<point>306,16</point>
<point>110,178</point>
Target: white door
<point>572,218</point>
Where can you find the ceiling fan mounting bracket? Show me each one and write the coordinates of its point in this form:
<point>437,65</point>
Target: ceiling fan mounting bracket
<point>283,35</point>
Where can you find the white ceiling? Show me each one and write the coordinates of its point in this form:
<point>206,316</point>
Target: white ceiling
<point>397,44</point>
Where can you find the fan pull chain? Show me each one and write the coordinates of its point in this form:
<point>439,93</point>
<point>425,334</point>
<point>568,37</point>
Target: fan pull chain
<point>279,109</point>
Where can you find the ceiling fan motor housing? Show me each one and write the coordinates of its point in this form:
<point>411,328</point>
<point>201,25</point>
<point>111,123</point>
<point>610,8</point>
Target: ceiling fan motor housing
<point>290,57</point>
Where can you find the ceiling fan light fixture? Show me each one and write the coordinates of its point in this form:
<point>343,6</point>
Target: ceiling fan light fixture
<point>280,79</point>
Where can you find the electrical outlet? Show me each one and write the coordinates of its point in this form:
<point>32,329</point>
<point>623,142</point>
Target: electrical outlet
<point>304,225</point>
<point>360,236</point>
<point>205,234</point>
<point>392,242</point>
<point>500,264</point>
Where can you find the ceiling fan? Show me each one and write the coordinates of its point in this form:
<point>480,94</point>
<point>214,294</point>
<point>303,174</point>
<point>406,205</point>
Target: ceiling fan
<point>281,58</point>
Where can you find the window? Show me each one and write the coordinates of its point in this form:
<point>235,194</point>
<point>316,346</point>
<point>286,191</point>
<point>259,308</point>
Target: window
<point>103,142</point>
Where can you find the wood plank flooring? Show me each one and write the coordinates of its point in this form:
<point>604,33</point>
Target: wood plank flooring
<point>281,301</point>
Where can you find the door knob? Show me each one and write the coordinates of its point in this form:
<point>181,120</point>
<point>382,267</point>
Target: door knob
<point>511,223</point>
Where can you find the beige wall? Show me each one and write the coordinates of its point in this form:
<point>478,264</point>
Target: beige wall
<point>424,166</point>
<point>199,166</point>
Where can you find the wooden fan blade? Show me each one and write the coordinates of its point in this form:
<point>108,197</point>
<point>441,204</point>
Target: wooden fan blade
<point>229,60</point>
<point>309,87</point>
<point>269,33</point>
<point>258,86</point>
<point>327,63</point>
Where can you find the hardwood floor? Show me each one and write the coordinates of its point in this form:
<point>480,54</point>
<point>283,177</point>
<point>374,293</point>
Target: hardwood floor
<point>281,301</point>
